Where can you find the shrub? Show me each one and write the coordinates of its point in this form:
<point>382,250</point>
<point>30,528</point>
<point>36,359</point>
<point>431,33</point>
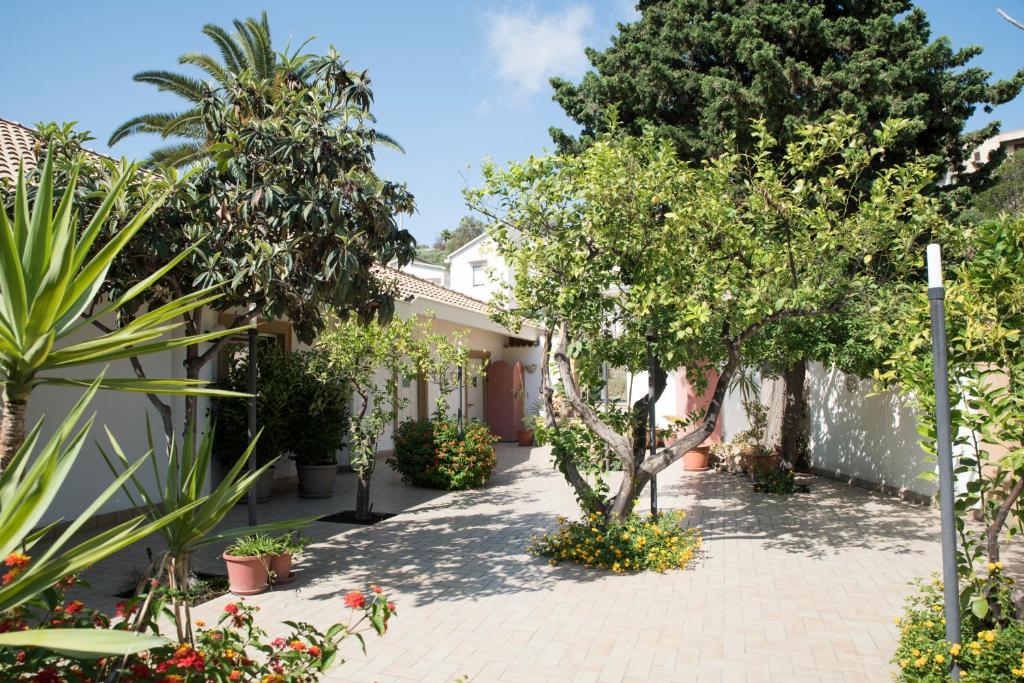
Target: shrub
<point>301,410</point>
<point>436,454</point>
<point>991,650</point>
<point>657,543</point>
<point>779,481</point>
<point>234,648</point>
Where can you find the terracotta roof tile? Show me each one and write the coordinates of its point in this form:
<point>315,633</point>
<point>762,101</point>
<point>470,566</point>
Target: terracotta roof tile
<point>412,286</point>
<point>17,145</point>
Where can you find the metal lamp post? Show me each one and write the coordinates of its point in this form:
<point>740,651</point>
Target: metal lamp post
<point>944,449</point>
<point>252,417</point>
<point>652,436</point>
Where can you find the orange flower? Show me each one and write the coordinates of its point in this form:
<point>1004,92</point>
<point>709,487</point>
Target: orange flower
<point>17,560</point>
<point>355,600</point>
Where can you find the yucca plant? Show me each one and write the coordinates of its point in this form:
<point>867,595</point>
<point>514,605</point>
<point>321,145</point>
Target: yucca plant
<point>50,275</point>
<point>27,488</point>
<point>182,489</point>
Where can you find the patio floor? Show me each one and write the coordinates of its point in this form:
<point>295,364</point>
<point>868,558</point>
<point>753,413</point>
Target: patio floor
<point>802,588</point>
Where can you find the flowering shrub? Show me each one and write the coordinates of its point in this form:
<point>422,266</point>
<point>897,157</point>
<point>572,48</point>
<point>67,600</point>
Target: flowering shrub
<point>233,649</point>
<point>658,543</point>
<point>435,454</point>
<point>991,648</point>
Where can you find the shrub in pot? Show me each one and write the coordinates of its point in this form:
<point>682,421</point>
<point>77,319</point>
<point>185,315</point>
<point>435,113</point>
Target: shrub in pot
<point>436,454</point>
<point>248,563</point>
<point>319,423</point>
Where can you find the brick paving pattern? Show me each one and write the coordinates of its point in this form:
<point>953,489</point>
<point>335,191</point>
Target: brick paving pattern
<point>800,588</point>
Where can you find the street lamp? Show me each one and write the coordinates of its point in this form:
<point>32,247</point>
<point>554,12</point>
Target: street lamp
<point>652,437</point>
<point>944,449</point>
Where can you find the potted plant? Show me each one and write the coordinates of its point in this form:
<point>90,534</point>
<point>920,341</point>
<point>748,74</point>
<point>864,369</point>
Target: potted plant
<point>525,435</point>
<point>285,549</point>
<point>248,563</point>
<point>318,425</point>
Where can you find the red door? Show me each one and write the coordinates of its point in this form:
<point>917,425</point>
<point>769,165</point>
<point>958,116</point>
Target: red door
<point>502,416</point>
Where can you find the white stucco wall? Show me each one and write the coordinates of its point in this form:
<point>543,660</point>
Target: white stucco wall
<point>497,274</point>
<point>872,438</point>
<point>426,271</point>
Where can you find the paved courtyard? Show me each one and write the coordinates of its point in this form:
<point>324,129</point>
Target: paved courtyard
<point>786,589</point>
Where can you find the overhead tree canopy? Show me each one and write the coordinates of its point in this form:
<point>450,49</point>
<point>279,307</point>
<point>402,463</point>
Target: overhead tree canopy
<point>624,237</point>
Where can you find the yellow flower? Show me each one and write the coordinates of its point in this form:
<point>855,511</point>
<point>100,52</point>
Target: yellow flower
<point>939,659</point>
<point>954,649</point>
<point>991,566</point>
<point>989,636</point>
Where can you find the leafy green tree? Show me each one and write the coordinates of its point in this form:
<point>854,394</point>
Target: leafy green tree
<point>372,358</point>
<point>248,50</point>
<point>700,71</point>
<point>1006,194</point>
<point>984,319</point>
<point>625,238</point>
<point>468,229</point>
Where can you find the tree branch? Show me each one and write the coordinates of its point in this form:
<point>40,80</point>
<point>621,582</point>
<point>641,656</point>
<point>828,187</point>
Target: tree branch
<point>622,446</point>
<point>992,532</point>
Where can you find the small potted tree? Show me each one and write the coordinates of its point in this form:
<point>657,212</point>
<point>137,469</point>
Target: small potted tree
<point>248,563</point>
<point>319,424</point>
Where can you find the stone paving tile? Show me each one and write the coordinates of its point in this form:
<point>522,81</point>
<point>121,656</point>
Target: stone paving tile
<point>802,588</point>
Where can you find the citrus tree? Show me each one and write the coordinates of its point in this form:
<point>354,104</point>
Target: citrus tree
<point>625,246</point>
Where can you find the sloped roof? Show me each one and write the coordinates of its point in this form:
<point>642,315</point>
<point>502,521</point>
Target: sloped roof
<point>17,145</point>
<point>410,286</point>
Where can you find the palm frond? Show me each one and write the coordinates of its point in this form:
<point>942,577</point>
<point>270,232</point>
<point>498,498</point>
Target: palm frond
<point>191,89</point>
<point>178,155</point>
<point>234,58</point>
<point>208,64</point>
<point>145,123</point>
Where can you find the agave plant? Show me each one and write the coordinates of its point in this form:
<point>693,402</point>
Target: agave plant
<point>27,488</point>
<point>50,275</point>
<point>182,489</point>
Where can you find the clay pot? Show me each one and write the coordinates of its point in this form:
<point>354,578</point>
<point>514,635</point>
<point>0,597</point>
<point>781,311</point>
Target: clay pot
<point>697,459</point>
<point>525,437</point>
<point>316,481</point>
<point>247,575</point>
<point>281,566</point>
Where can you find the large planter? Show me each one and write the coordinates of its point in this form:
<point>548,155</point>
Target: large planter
<point>316,481</point>
<point>248,575</point>
<point>525,437</point>
<point>281,568</point>
<point>697,459</point>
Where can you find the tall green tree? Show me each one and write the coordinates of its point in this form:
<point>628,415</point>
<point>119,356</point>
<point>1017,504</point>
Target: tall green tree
<point>700,71</point>
<point>625,237</point>
<point>247,50</point>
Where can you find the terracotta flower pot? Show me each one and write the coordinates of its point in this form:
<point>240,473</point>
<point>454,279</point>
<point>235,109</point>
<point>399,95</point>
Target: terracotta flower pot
<point>247,575</point>
<point>697,459</point>
<point>316,481</point>
<point>281,568</point>
<point>525,437</point>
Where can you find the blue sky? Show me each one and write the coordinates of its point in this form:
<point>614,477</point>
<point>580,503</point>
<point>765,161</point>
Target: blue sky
<point>455,81</point>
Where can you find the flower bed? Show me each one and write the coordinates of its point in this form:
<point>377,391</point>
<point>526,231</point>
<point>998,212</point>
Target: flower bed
<point>991,648</point>
<point>233,649</point>
<point>639,543</point>
<point>435,454</point>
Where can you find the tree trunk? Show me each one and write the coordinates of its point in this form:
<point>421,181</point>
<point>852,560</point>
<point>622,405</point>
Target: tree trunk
<point>793,415</point>
<point>625,499</point>
<point>363,500</point>
<point>641,417</point>
<point>12,430</point>
<point>996,525</point>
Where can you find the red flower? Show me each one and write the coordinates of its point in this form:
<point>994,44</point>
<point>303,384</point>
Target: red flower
<point>297,645</point>
<point>17,560</point>
<point>235,675</point>
<point>123,610</point>
<point>140,670</point>
<point>391,607</point>
<point>74,606</point>
<point>355,600</point>
<point>376,589</point>
<point>21,657</point>
<point>279,643</point>
<point>12,575</point>
<point>231,608</point>
<point>314,651</point>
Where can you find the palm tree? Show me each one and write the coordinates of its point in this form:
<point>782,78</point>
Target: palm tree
<point>248,50</point>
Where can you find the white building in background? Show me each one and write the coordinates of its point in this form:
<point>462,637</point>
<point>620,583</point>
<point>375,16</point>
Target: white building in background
<point>431,272</point>
<point>1011,141</point>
